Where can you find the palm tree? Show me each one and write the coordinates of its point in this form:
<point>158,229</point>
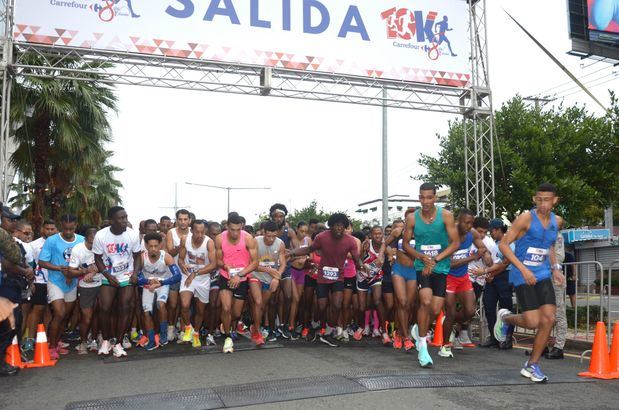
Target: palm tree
<point>63,129</point>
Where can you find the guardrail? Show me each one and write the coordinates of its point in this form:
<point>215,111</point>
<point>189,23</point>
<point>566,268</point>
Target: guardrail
<point>600,267</point>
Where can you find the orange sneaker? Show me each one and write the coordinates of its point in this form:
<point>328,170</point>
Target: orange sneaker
<point>408,344</point>
<point>397,340</point>
<point>304,332</point>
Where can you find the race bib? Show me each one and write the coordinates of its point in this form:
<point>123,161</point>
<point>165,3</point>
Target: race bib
<point>330,273</point>
<point>235,271</point>
<point>373,269</point>
<point>194,268</point>
<point>120,268</point>
<point>431,250</point>
<point>535,256</point>
<point>461,254</point>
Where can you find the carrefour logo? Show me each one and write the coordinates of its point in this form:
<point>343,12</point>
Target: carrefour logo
<point>108,10</point>
<point>410,26</point>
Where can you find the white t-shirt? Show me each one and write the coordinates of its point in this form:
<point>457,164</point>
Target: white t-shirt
<point>494,252</point>
<point>81,256</point>
<point>117,251</point>
<point>39,272</point>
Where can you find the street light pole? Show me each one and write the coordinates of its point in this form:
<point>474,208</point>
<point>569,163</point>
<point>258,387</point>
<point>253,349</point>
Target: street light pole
<point>228,189</point>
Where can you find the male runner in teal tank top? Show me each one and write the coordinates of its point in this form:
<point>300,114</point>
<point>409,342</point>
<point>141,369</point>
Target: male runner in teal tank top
<point>436,238</point>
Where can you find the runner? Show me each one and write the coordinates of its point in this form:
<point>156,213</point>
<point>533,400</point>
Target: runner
<point>39,297</point>
<point>197,260</point>
<point>436,238</point>
<point>298,277</point>
<point>278,214</point>
<point>237,257</point>
<point>62,286</point>
<point>266,278</point>
<point>159,271</point>
<point>82,265</point>
<point>534,267</point>
<point>165,224</point>
<point>334,246</point>
<point>173,246</point>
<point>459,286</point>
<point>213,308</point>
<point>404,277</point>
<point>373,258</point>
<point>119,257</point>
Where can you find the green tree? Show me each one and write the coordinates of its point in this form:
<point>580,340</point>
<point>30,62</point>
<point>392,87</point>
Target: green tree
<point>62,129</point>
<point>566,145</point>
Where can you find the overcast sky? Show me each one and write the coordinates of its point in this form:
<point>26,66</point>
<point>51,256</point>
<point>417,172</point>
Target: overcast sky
<point>307,150</point>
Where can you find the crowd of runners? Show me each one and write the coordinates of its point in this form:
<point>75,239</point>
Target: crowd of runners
<point>197,282</point>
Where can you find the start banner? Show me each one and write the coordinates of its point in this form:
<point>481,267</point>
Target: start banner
<point>423,41</point>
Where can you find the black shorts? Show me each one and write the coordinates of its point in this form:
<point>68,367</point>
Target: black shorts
<point>436,281</point>
<point>239,293</point>
<point>350,284</point>
<point>571,287</point>
<point>310,282</point>
<point>532,297</point>
<point>39,297</point>
<point>324,289</point>
<point>387,285</point>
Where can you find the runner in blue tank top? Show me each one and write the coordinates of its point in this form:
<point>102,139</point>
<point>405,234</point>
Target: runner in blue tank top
<point>533,263</point>
<point>436,238</point>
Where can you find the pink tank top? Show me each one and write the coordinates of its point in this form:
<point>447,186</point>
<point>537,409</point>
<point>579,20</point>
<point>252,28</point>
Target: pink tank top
<point>350,270</point>
<point>236,257</point>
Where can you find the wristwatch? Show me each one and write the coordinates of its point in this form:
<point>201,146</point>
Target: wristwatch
<point>557,266</point>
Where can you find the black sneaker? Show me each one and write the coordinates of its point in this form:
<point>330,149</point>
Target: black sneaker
<point>506,345</point>
<point>294,335</point>
<point>490,342</point>
<point>283,329</point>
<point>328,340</point>
<point>272,337</point>
<point>555,353</point>
<point>8,370</point>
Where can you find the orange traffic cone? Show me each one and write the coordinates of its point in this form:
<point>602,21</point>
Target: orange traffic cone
<point>599,368</point>
<point>41,351</point>
<point>13,356</point>
<point>437,340</point>
<point>614,350</point>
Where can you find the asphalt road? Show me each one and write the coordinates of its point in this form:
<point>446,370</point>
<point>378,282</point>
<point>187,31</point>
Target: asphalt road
<point>177,368</point>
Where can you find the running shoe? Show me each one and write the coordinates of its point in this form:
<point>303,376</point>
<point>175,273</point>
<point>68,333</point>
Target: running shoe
<point>299,328</point>
<point>82,348</point>
<point>327,340</point>
<point>256,337</point>
<point>228,345</point>
<point>285,332</point>
<point>464,338</point>
<point>92,345</point>
<point>272,337</point>
<point>143,341</point>
<point>533,372</point>
<point>376,333</point>
<point>294,335</point>
<point>28,345</point>
<point>445,351</point>
<point>196,340</point>
<point>397,340</point>
<point>126,342</point>
<point>188,334</point>
<point>63,344</point>
<point>408,344</point>
<point>62,350</point>
<point>53,354</point>
<point>151,345</point>
<point>135,336</point>
<point>500,327</point>
<point>366,331</point>
<point>345,337</point>
<point>210,340</point>
<point>414,332</point>
<point>339,333</point>
<point>304,333</point>
<point>163,338</point>
<point>358,335</point>
<point>328,330</point>
<point>423,356</point>
<point>118,350</point>
<point>457,345</point>
<point>234,335</point>
<point>171,334</point>
<point>386,339</point>
<point>105,348</point>
<point>217,333</point>
<point>264,332</point>
<point>157,340</point>
<point>240,327</point>
<point>350,331</point>
<point>72,336</point>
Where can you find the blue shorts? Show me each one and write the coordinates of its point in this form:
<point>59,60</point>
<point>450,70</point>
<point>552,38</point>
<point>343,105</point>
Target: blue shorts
<point>405,272</point>
<point>287,273</point>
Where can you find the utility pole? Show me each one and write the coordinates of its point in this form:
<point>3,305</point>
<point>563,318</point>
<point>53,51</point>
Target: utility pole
<point>228,189</point>
<point>385,163</point>
<point>538,100</point>
<point>175,207</point>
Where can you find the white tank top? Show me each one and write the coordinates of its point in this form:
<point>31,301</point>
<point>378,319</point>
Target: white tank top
<point>176,241</point>
<point>196,258</point>
<point>157,269</point>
